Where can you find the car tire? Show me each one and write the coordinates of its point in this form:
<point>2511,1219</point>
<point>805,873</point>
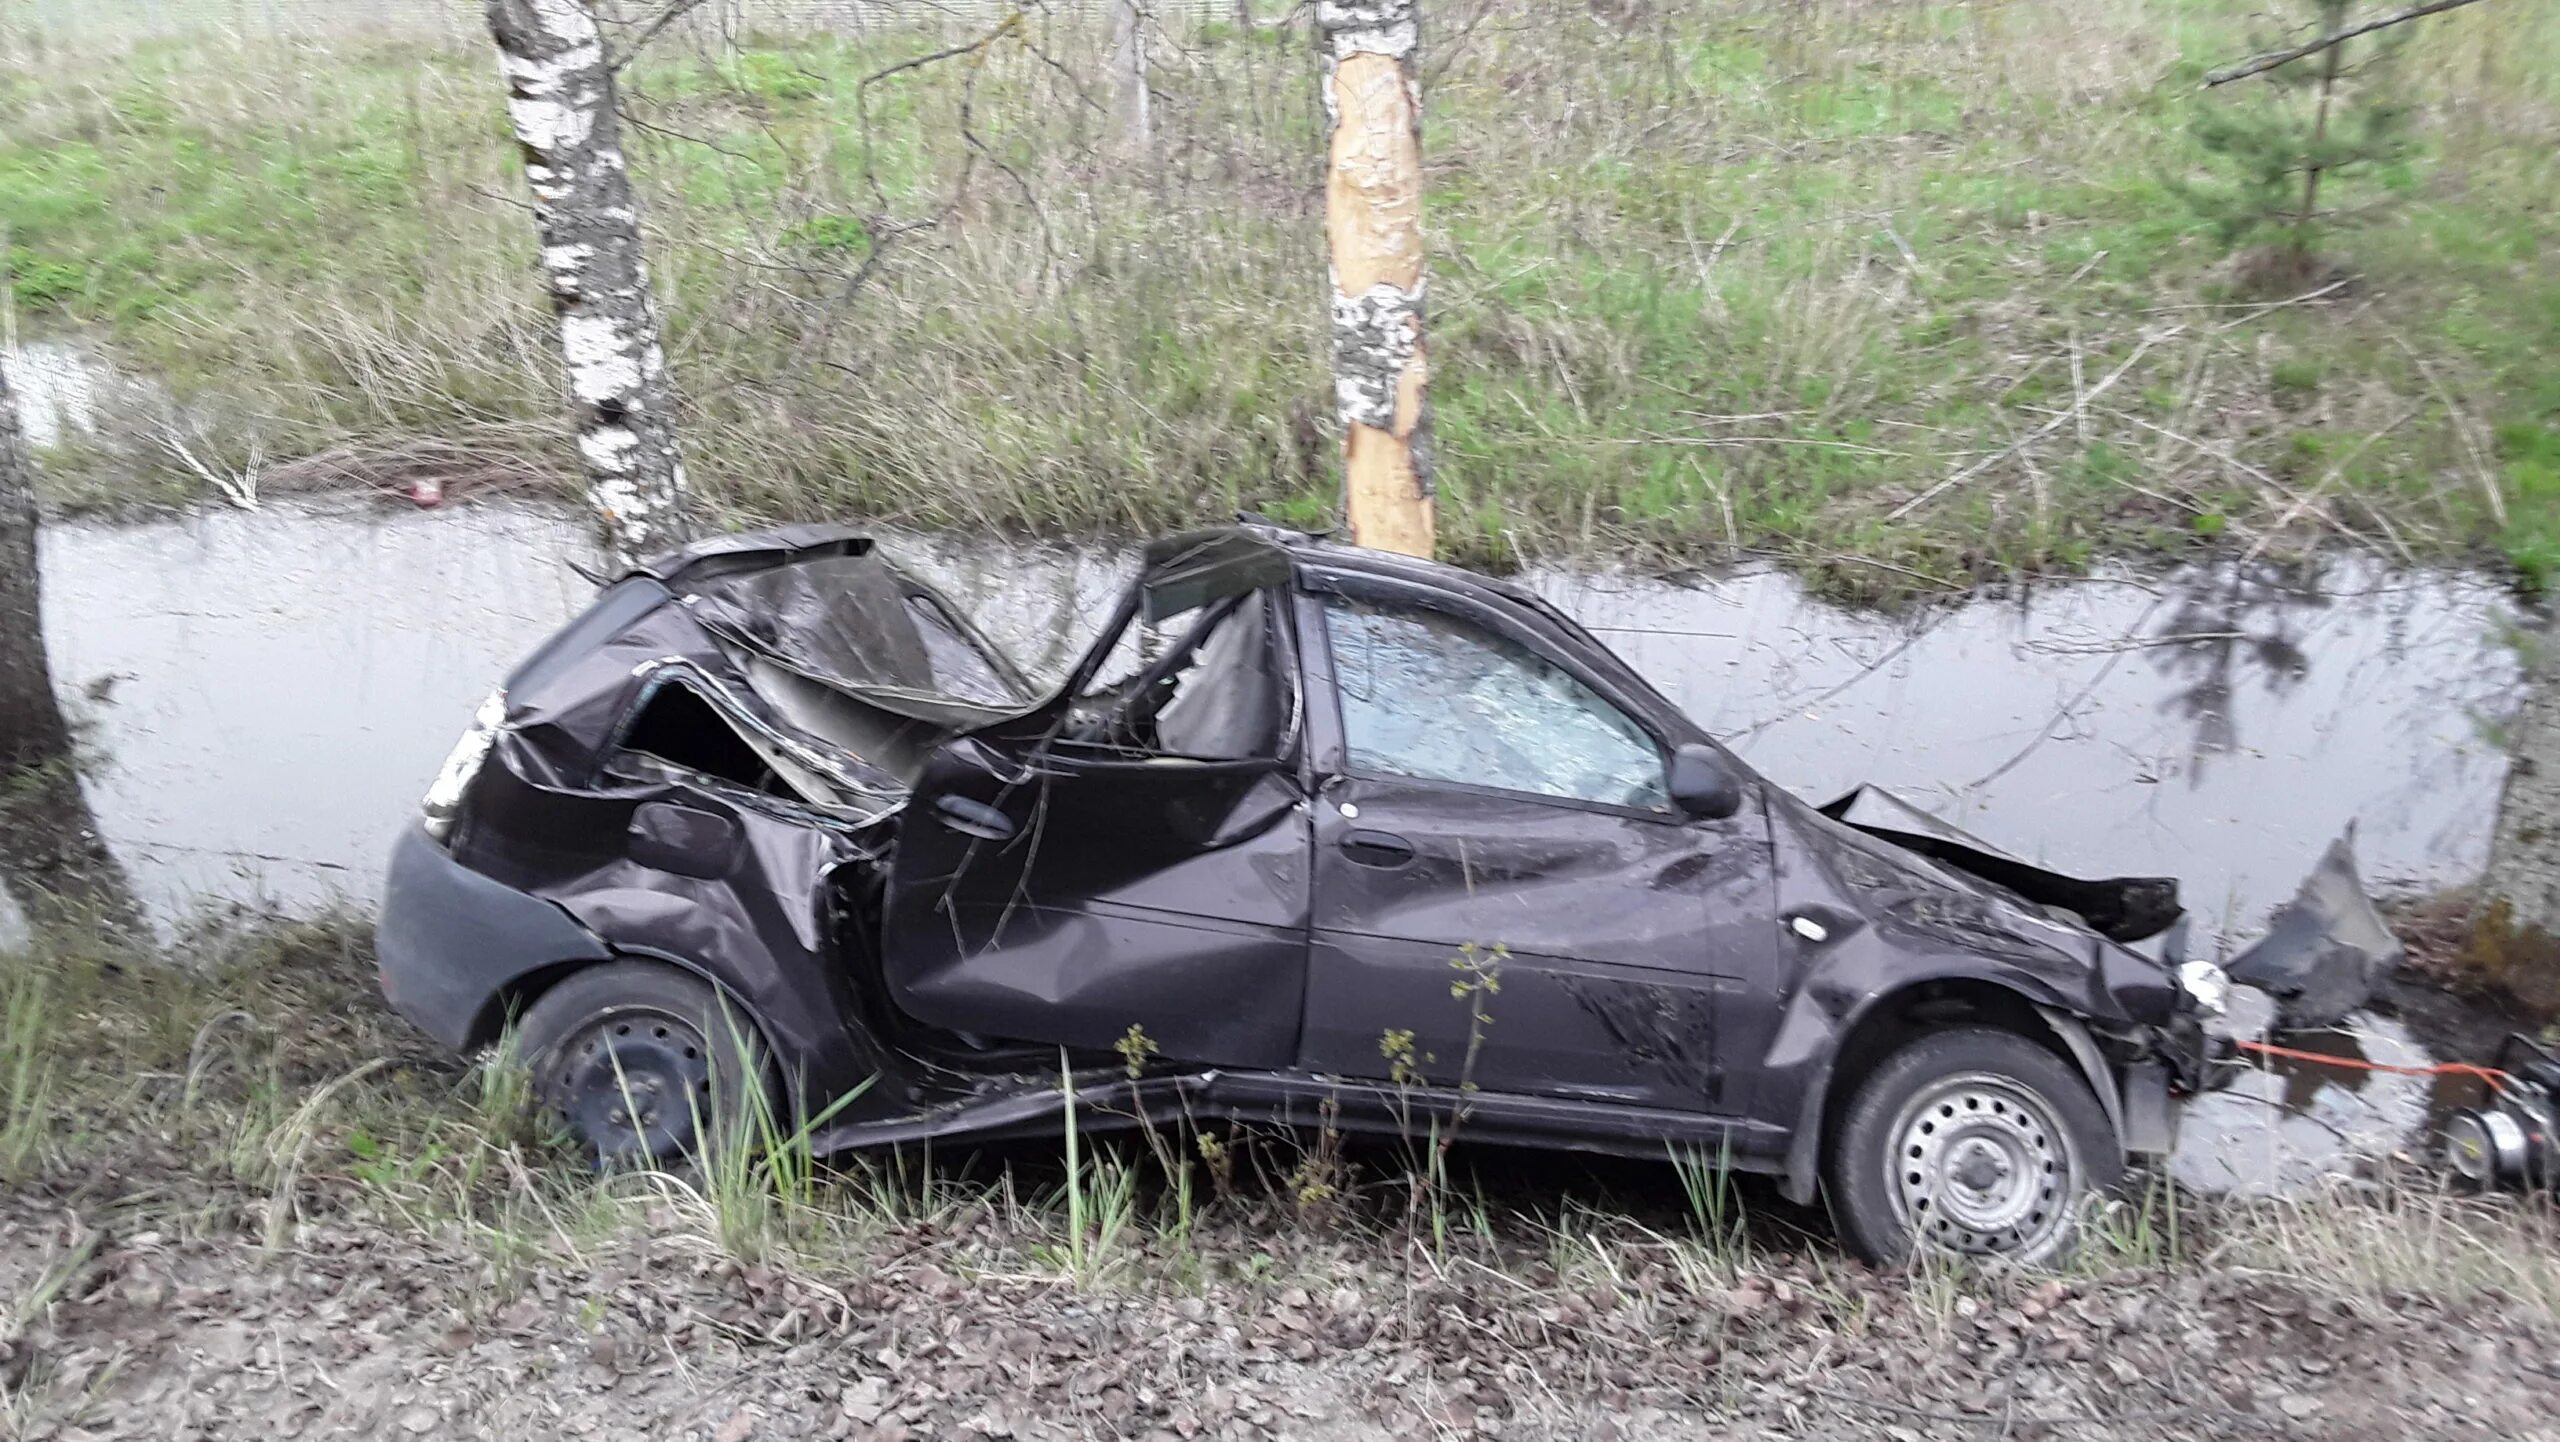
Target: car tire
<point>1972,1141</point>
<point>640,1061</point>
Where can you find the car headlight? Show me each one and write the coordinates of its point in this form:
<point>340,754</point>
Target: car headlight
<point>2207,984</point>
<point>444,797</point>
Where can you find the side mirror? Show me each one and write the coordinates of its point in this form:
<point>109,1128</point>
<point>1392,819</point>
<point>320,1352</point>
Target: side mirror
<point>1701,784</point>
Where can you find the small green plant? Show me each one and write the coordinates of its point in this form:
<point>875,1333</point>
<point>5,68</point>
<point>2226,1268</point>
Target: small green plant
<point>377,1164</point>
<point>1136,1048</point>
<point>840,234</point>
<point>1404,1064</point>
<point>39,282</point>
<point>1715,1211</point>
<point>2132,1231</point>
<point>1102,1194</point>
<point>1220,1161</point>
<point>1315,1183</point>
<point>1479,980</point>
<point>26,1071</point>
<point>2322,120</point>
<point>758,1173</point>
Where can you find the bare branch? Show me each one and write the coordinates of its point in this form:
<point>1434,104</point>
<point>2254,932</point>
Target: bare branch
<point>2261,64</point>
<point>666,17</point>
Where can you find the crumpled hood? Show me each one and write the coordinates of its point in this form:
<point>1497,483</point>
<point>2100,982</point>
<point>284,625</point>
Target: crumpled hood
<point>2324,953</point>
<point>2119,908</point>
<point>1881,910</point>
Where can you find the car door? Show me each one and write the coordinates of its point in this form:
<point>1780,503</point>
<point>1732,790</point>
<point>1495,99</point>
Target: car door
<point>1505,897</point>
<point>1131,857</point>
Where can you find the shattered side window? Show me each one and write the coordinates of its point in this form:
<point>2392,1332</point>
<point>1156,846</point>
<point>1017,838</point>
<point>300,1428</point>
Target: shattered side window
<point>1427,695</point>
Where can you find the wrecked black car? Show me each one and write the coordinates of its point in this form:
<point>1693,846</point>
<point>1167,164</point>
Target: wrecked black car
<point>1311,836</point>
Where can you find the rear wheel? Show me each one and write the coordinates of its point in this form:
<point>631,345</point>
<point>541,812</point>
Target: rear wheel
<point>641,1062</point>
<point>1970,1141</point>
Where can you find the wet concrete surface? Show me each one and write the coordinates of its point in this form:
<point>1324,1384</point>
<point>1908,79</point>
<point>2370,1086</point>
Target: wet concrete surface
<point>269,693</point>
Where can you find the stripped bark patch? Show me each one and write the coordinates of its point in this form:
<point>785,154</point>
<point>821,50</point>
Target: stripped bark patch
<point>1373,224</point>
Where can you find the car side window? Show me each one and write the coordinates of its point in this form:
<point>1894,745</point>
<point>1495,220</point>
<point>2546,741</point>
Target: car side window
<point>1427,695</point>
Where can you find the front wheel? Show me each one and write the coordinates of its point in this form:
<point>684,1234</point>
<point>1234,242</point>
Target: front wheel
<point>1970,1141</point>
<point>640,1062</point>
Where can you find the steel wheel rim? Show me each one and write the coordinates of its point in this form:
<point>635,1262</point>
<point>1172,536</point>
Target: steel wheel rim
<point>1982,1165</point>
<point>634,1083</point>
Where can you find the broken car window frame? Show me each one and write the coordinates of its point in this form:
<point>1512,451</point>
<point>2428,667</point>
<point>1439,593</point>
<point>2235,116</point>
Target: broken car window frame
<point>1335,756</point>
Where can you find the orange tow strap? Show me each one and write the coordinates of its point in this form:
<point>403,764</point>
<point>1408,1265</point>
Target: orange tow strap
<point>2489,1074</point>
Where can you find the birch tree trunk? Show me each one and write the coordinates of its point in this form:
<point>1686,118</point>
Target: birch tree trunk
<point>53,863</point>
<point>1373,223</point>
<point>560,102</point>
<point>1132,109</point>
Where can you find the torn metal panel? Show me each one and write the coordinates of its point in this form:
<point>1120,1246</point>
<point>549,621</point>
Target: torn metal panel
<point>1185,572</point>
<point>2326,950</point>
<point>858,624</point>
<point>2121,908</point>
<point>1062,895</point>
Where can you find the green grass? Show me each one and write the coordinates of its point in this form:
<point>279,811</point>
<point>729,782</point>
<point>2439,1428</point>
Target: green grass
<point>1750,276</point>
<point>248,1080</point>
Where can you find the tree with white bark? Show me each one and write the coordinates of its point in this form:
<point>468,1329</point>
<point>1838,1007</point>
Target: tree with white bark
<point>1373,224</point>
<point>1132,108</point>
<point>560,103</point>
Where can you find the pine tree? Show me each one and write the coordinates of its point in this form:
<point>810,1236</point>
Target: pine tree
<point>2329,126</point>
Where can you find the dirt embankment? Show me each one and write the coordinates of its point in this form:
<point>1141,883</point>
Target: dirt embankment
<point>363,1328</point>
<point>238,1200</point>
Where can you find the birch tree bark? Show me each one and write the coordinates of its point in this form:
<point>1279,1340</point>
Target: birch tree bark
<point>1373,224</point>
<point>560,102</point>
<point>53,863</point>
<point>1132,109</point>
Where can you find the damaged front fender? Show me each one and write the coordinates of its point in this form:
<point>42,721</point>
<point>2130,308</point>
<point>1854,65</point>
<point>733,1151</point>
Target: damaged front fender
<point>2326,950</point>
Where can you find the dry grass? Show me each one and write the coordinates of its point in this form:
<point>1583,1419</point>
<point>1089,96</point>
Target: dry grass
<point>252,1080</point>
<point>2411,1235</point>
<point>1747,276</point>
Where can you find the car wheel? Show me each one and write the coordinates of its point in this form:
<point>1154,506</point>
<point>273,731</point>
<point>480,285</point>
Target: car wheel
<point>639,1060</point>
<point>1970,1141</point>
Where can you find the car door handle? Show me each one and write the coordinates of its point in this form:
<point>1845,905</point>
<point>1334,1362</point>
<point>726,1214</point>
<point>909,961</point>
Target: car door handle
<point>1376,848</point>
<point>974,818</point>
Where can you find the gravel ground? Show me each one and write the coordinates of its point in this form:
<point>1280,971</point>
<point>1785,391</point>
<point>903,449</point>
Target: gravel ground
<point>352,1327</point>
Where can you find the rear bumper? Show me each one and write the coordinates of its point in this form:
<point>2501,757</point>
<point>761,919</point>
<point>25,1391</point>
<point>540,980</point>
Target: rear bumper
<point>450,941</point>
